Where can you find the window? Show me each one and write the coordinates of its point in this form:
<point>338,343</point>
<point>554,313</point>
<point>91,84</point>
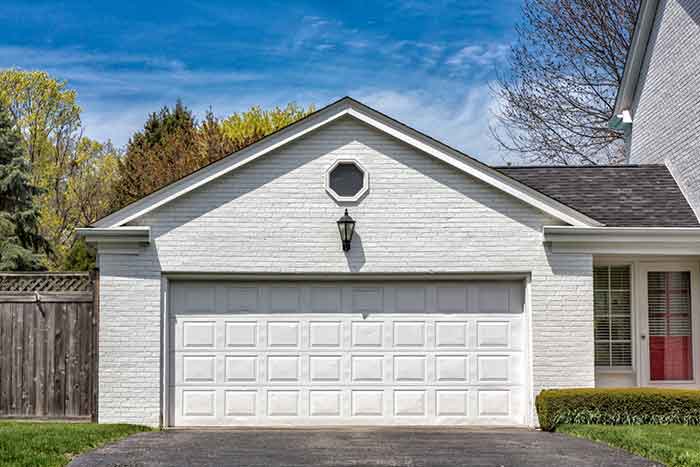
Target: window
<point>346,181</point>
<point>612,309</point>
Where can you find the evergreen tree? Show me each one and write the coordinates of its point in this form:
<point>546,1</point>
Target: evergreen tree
<point>21,246</point>
<point>81,257</point>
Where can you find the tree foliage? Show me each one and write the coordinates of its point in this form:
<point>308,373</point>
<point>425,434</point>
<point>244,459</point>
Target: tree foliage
<point>173,144</point>
<point>245,128</point>
<point>166,149</point>
<point>80,257</point>
<point>84,196</point>
<point>565,69</point>
<point>21,245</point>
<point>45,111</point>
<point>72,172</point>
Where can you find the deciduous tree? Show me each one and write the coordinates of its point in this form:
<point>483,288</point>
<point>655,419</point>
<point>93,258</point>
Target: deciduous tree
<point>172,144</point>
<point>565,69</point>
<point>166,149</point>
<point>247,127</point>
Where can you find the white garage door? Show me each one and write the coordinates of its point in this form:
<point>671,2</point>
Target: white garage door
<point>302,353</point>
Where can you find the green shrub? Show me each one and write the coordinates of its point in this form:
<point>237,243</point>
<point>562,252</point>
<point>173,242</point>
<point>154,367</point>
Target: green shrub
<point>624,406</point>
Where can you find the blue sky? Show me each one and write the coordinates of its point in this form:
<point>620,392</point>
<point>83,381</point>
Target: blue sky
<point>427,63</point>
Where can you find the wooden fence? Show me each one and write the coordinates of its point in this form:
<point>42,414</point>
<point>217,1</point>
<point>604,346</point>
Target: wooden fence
<point>48,345</point>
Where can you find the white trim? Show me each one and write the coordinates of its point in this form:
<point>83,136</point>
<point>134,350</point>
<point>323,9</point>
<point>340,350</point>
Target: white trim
<point>624,240</point>
<point>634,63</point>
<point>349,107</point>
<point>165,342</point>
<point>116,235</point>
<point>355,277</point>
<point>530,417</point>
<point>359,194</point>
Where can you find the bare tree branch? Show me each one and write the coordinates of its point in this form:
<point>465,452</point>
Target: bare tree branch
<point>559,92</point>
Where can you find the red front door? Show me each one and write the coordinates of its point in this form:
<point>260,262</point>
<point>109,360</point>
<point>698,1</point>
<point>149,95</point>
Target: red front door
<point>670,331</point>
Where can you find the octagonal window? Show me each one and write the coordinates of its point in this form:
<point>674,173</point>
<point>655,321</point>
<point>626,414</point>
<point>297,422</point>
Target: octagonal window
<point>346,181</point>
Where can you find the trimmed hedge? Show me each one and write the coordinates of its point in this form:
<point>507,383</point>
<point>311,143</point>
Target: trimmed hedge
<point>623,406</point>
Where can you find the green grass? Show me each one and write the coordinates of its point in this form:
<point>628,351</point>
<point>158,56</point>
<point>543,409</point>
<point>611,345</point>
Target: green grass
<point>54,444</point>
<point>673,445</point>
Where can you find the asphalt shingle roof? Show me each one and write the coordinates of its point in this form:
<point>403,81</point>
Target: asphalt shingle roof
<point>617,196</point>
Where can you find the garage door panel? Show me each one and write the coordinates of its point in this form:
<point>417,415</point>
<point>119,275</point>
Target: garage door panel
<point>409,334</point>
<point>325,299</point>
<point>451,334</point>
<point>451,299</point>
<point>241,333</point>
<point>367,300</point>
<point>325,334</point>
<point>240,403</point>
<point>410,299</point>
<point>242,299</point>
<point>285,299</point>
<point>198,334</point>
<point>242,364</point>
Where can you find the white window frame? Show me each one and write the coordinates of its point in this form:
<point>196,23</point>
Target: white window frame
<point>359,194</point>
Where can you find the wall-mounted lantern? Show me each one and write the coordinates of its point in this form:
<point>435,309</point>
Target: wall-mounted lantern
<point>346,226</point>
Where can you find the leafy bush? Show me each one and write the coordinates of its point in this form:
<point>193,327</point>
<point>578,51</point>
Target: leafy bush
<point>628,406</point>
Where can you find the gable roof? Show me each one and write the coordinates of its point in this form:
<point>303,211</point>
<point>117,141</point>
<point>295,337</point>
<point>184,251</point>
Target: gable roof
<point>341,108</point>
<point>617,196</point>
<point>634,61</point>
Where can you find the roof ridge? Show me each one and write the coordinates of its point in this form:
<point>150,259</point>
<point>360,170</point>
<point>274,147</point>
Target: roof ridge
<point>591,166</point>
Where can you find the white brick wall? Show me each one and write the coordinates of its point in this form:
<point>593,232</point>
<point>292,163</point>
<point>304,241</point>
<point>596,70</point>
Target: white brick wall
<point>666,110</point>
<point>274,216</point>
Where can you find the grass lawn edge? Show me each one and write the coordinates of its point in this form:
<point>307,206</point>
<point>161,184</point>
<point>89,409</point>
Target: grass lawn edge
<point>672,445</point>
<point>55,444</point>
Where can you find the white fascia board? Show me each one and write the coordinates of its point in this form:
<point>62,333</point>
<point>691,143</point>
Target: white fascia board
<point>624,240</point>
<point>116,235</point>
<point>629,249</point>
<point>375,119</point>
<point>634,61</point>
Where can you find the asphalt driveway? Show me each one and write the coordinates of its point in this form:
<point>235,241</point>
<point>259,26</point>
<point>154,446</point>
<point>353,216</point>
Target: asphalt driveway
<point>355,447</point>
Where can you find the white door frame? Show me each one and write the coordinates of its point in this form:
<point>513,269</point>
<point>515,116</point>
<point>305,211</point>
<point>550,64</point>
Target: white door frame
<point>643,319</point>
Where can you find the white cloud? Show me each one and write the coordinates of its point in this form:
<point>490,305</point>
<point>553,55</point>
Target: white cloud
<point>479,55</point>
<point>462,122</point>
